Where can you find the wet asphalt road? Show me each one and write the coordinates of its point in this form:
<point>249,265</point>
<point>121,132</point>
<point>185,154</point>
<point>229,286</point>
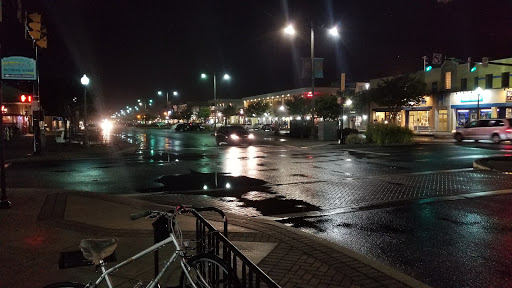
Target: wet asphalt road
<point>366,199</point>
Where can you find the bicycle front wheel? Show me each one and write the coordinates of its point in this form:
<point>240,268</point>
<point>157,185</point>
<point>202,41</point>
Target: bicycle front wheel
<point>65,285</point>
<point>208,270</point>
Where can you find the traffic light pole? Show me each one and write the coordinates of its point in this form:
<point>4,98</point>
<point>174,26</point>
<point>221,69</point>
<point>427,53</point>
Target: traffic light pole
<point>4,203</point>
<point>313,82</point>
<point>36,120</point>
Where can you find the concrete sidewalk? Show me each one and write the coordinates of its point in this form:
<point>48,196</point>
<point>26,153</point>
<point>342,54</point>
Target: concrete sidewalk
<point>21,148</point>
<point>41,224</point>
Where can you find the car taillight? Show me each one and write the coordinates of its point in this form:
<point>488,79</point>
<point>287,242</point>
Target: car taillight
<point>509,130</point>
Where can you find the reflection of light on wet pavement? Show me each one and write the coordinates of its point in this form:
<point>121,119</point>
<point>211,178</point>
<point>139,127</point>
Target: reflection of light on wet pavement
<point>233,163</point>
<point>251,163</point>
<point>257,196</point>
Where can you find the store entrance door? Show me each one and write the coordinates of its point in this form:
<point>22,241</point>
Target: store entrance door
<point>443,120</point>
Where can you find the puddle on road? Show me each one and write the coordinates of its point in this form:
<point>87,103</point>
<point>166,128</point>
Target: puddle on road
<point>316,224</point>
<point>240,191</point>
<point>358,155</point>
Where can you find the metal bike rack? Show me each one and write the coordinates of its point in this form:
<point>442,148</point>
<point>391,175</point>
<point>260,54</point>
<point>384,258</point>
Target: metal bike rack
<point>250,275</point>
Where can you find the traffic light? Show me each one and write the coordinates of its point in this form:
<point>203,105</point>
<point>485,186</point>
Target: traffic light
<point>471,65</point>
<point>428,68</point>
<point>37,31</point>
<point>26,98</point>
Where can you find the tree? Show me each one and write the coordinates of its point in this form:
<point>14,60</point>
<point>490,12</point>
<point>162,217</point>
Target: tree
<point>228,112</point>
<point>327,107</point>
<point>298,106</point>
<point>258,108</point>
<point>398,92</point>
<point>186,114</point>
<point>204,113</point>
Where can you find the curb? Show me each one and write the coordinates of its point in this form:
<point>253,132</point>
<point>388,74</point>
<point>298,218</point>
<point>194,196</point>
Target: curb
<point>399,276</point>
<point>483,164</point>
<point>478,165</point>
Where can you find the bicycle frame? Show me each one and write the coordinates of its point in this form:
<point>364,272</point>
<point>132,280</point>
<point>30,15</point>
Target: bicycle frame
<point>178,253</point>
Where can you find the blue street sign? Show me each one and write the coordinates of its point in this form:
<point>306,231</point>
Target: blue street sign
<point>18,68</point>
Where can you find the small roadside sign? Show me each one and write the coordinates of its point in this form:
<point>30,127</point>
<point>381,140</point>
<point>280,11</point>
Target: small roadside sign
<point>18,68</point>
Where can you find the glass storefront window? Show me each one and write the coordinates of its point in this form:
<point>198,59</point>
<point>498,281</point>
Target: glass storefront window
<point>418,119</point>
<point>462,117</point>
<point>508,113</point>
<point>485,114</point>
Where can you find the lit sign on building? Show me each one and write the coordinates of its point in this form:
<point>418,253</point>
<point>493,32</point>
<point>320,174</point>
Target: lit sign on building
<point>509,96</point>
<point>471,98</point>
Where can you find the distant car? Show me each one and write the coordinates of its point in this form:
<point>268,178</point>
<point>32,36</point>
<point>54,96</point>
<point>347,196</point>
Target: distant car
<point>496,130</point>
<point>188,127</point>
<point>233,135</point>
<point>249,127</point>
<point>196,127</point>
<point>267,127</point>
<point>180,127</point>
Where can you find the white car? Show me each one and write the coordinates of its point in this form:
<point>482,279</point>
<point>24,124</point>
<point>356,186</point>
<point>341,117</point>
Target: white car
<point>496,130</point>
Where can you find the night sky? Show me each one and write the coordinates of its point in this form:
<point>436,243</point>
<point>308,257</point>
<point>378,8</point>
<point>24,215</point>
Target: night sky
<point>132,49</point>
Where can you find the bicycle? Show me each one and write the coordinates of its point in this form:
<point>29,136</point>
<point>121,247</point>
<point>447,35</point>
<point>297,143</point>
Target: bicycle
<point>201,270</point>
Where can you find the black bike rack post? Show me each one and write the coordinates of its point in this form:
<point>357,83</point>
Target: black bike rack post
<point>160,233</point>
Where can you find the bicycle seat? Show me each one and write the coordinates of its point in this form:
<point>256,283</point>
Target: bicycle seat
<point>97,249</point>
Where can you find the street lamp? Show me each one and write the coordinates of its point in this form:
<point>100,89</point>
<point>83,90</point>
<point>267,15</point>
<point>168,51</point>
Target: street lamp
<point>478,92</point>
<point>343,118</point>
<point>160,93</point>
<point>85,82</point>
<point>225,77</point>
<point>333,32</point>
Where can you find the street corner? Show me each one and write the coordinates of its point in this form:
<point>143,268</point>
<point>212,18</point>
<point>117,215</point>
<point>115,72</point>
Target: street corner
<point>498,163</point>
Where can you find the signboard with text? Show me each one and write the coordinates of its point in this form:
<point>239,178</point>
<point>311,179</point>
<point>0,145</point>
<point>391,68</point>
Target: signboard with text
<point>509,96</point>
<point>18,68</point>
<point>471,98</point>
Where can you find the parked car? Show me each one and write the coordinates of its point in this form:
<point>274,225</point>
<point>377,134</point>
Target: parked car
<point>267,127</point>
<point>233,135</point>
<point>496,130</point>
<point>250,127</point>
<point>188,127</point>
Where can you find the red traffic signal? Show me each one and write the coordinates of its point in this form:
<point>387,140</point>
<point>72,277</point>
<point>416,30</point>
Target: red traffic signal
<point>26,98</point>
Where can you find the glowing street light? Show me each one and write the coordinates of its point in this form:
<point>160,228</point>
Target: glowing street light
<point>85,81</point>
<point>333,32</point>
<point>225,77</point>
<point>289,30</point>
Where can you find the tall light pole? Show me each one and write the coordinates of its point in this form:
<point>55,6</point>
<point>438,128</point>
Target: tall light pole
<point>85,82</point>
<point>225,77</point>
<point>334,33</point>
<point>478,92</point>
<point>174,93</point>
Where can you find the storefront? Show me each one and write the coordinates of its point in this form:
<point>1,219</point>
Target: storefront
<point>419,118</point>
<point>470,105</point>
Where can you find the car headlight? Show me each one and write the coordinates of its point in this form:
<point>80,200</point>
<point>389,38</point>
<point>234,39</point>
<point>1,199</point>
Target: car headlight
<point>453,131</point>
<point>251,136</point>
<point>234,136</point>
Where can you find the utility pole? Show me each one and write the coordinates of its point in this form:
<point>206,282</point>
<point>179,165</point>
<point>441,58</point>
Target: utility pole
<point>4,202</point>
<point>313,81</point>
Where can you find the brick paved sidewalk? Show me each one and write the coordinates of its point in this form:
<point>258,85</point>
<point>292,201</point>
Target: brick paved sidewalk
<point>43,223</point>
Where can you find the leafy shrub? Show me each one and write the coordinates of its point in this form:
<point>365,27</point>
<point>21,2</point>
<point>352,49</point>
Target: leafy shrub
<point>383,134</point>
<point>354,139</point>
